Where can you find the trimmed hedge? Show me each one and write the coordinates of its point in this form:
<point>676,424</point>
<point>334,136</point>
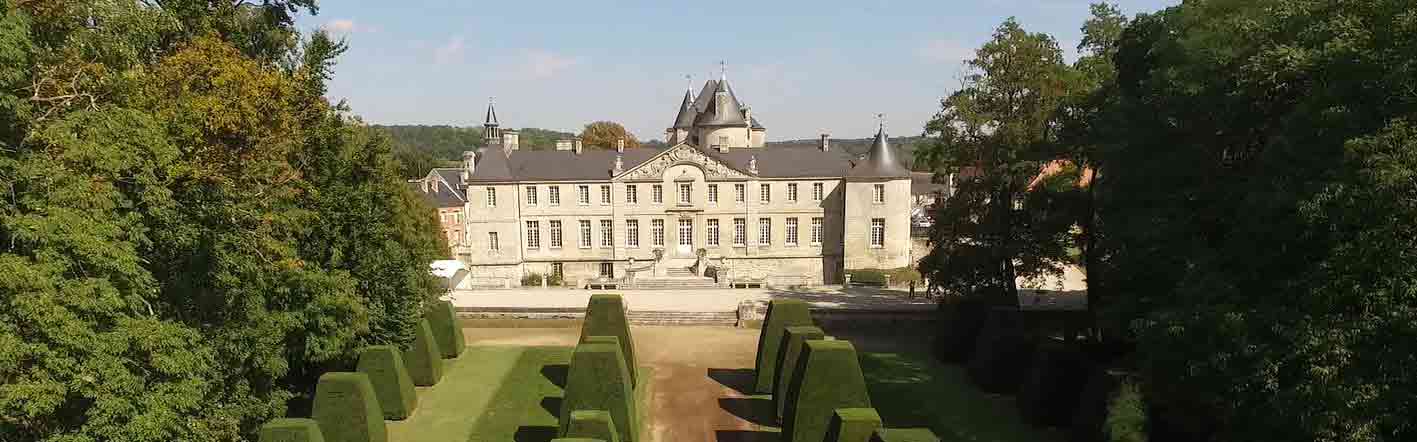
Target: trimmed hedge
<point>827,377</point>
<point>1050,391</point>
<point>591,424</point>
<point>788,351</point>
<point>423,360</point>
<point>347,410</point>
<point>605,316</point>
<point>598,380</point>
<point>904,435</point>
<point>446,329</point>
<point>1090,412</point>
<point>853,425</point>
<point>291,430</point>
<point>392,386</point>
<point>782,313</point>
<point>961,320</point>
<point>1002,354</point>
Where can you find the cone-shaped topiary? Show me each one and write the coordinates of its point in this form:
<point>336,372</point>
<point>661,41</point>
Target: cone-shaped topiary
<point>853,425</point>
<point>1051,390</point>
<point>347,410</point>
<point>782,313</point>
<point>392,386</point>
<point>446,329</point>
<point>788,351</point>
<point>598,380</point>
<point>605,316</point>
<point>591,424</point>
<point>291,430</point>
<point>827,377</point>
<point>1002,354</point>
<point>424,365</point>
<point>904,435</point>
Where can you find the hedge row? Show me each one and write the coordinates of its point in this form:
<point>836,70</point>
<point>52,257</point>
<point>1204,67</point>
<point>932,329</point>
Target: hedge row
<point>291,430</point>
<point>446,330</point>
<point>591,424</point>
<point>782,313</point>
<point>424,359</point>
<point>393,388</point>
<point>788,352</point>
<point>347,410</point>
<point>599,380</point>
<point>904,435</point>
<point>827,376</point>
<point>852,424</point>
<point>605,316</point>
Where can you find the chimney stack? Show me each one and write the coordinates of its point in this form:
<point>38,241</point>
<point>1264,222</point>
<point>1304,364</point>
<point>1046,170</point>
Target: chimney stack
<point>620,145</point>
<point>576,145</point>
<point>510,141</point>
<point>469,163</point>
<point>826,142</point>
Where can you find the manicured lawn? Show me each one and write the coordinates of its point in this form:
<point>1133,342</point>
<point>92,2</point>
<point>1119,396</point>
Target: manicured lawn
<point>914,390</point>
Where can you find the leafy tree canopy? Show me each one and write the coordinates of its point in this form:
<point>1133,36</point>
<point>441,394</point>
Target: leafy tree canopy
<point>605,135</point>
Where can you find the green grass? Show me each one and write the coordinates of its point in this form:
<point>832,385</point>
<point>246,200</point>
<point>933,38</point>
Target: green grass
<point>494,393</point>
<point>914,390</point>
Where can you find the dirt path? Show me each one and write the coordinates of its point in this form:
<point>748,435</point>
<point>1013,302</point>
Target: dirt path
<point>698,372</point>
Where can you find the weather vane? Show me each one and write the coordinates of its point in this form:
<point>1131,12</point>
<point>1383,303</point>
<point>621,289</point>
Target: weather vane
<point>722,69</point>
<point>881,120</point>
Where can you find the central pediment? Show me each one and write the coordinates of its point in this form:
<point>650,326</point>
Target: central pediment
<point>683,153</point>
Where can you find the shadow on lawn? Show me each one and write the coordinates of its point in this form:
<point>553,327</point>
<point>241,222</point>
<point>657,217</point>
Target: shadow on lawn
<point>556,373</point>
<point>552,404</point>
<point>739,379</point>
<point>745,436</point>
<point>912,390</point>
<point>532,433</point>
<point>527,406</point>
<point>756,410</point>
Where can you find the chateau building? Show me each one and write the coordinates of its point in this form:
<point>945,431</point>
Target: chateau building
<point>713,208</point>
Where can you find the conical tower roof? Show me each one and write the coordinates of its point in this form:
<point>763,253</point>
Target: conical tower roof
<point>491,119</point>
<point>685,119</point>
<point>881,162</point>
<point>730,115</point>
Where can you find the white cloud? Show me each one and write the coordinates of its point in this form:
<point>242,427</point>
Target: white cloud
<point>346,26</point>
<point>944,51</point>
<point>544,64</point>
<point>449,52</point>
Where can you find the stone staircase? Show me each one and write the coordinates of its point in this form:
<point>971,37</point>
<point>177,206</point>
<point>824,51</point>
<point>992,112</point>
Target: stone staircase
<point>682,318</point>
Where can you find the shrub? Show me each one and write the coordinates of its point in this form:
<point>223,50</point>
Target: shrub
<point>827,377</point>
<point>1126,416</point>
<point>898,276</point>
<point>532,279</point>
<point>383,364</point>
<point>1091,411</point>
<point>347,410</point>
<point>961,319</point>
<point>422,360</point>
<point>556,279</point>
<point>1051,390</point>
<point>598,380</point>
<point>591,424</point>
<point>446,330</point>
<point>291,430</point>
<point>1002,354</point>
<point>788,351</point>
<point>605,316</point>
<point>782,313</point>
<point>852,424</point>
<point>904,435</point>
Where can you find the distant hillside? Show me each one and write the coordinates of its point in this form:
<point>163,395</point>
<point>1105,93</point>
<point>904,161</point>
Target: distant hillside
<point>421,147</point>
<point>905,146</point>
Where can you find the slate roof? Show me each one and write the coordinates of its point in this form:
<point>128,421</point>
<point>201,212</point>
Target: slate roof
<point>881,161</point>
<point>439,194</point>
<point>492,166</point>
<point>565,165</point>
<point>922,183</point>
<point>685,118</point>
<point>732,114</point>
<point>596,165</point>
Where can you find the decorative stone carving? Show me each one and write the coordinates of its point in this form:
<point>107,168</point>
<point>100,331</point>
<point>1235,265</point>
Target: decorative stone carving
<point>682,154</point>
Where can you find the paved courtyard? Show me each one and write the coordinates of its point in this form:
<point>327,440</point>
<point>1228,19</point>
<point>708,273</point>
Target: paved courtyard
<point>693,300</point>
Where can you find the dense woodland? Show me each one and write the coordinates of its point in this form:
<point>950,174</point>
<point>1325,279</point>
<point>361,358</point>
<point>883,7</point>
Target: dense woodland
<point>1252,225</point>
<point>191,232</point>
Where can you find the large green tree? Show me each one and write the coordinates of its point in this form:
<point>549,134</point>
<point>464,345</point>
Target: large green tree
<point>996,134</point>
<point>1258,203</point>
<point>606,135</point>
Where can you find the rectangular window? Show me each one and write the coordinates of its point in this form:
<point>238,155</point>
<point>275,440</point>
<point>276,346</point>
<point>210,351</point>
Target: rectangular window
<point>533,235</point>
<point>792,192</point>
<point>632,233</point>
<point>607,233</point>
<point>817,191</point>
<point>764,231</point>
<point>713,194</point>
<point>878,232</point>
<point>607,270</point>
<point>492,243</point>
<point>585,234</point>
<point>740,231</point>
<point>531,195</point>
<point>632,194</point>
<point>657,232</point>
<point>713,232</point>
<point>657,194</point>
<point>583,195</point>
<point>878,193</point>
<point>792,231</point>
<point>686,193</point>
<point>604,194</point>
<point>817,230</point>
<point>686,232</point>
<point>491,197</point>
<point>765,193</point>
<point>555,233</point>
<point>740,192</point>
<point>558,270</point>
<point>553,195</point>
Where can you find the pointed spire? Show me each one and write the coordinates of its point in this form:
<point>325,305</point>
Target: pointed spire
<point>881,161</point>
<point>491,119</point>
<point>722,70</point>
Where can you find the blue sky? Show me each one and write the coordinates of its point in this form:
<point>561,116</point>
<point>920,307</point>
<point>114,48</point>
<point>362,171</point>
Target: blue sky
<point>805,67</point>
